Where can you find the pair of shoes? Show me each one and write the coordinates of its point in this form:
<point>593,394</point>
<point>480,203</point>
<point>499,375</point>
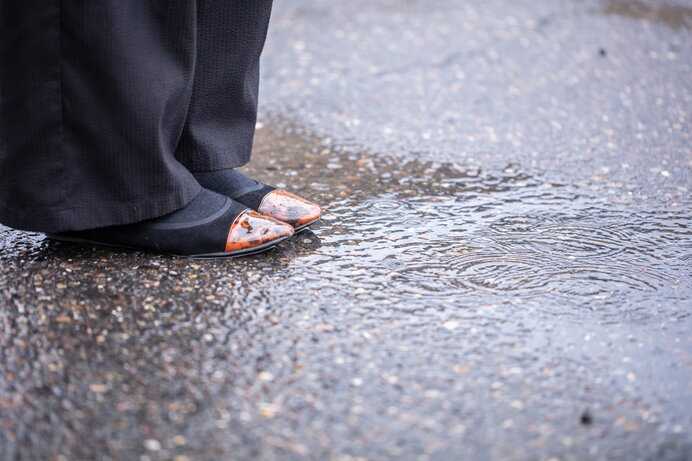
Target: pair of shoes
<point>285,207</point>
<point>264,199</point>
<point>211,226</point>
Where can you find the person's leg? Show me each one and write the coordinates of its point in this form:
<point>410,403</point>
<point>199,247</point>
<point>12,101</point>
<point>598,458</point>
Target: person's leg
<point>94,99</point>
<point>220,123</point>
<point>220,126</point>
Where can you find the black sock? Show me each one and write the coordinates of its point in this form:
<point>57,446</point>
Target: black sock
<point>229,182</point>
<point>204,205</point>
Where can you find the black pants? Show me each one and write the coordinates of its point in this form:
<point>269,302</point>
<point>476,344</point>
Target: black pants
<point>106,106</point>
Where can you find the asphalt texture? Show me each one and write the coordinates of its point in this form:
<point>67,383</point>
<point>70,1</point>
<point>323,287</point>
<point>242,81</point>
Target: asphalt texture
<point>503,271</point>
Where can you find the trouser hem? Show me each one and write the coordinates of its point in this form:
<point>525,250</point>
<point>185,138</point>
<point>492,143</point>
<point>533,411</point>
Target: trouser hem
<point>50,219</point>
<point>219,163</point>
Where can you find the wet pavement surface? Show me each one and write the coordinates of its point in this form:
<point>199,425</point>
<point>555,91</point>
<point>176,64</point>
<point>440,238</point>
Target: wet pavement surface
<point>503,271</point>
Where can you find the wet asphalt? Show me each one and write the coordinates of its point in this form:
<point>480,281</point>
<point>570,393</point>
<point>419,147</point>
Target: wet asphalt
<point>503,271</point>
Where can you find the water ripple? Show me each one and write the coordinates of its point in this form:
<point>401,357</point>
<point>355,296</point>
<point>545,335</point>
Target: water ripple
<point>571,240</point>
<point>418,250</point>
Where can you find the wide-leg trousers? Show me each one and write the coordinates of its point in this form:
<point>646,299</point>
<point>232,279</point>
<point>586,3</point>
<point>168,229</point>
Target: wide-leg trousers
<point>107,106</point>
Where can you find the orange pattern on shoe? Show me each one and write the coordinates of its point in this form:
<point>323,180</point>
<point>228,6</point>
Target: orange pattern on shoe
<point>289,208</point>
<point>251,229</point>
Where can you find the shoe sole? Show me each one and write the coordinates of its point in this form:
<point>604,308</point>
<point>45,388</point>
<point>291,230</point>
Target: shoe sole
<point>220,255</point>
<point>306,225</point>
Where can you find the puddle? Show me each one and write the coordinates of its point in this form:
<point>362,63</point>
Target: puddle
<point>427,234</point>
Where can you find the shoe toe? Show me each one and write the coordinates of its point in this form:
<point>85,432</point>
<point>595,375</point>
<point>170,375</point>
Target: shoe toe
<point>289,208</point>
<point>251,229</point>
